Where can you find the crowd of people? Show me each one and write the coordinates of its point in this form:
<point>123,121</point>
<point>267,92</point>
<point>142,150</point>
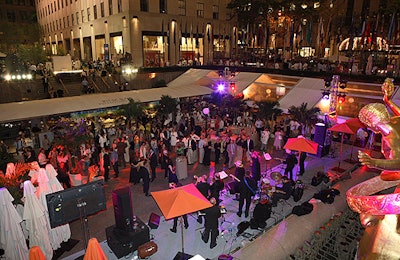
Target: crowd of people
<point>143,146</point>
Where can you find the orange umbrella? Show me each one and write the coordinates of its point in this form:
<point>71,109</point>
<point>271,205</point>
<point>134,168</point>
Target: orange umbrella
<point>94,251</point>
<point>355,123</point>
<point>346,129</point>
<point>301,144</point>
<point>180,201</point>
<point>35,253</point>
<point>343,128</point>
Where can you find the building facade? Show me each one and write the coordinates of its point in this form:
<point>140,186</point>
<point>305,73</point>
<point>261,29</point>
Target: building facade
<point>17,23</point>
<point>151,32</point>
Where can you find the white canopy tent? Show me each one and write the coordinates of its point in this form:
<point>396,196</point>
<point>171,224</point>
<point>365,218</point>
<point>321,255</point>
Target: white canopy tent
<point>307,90</point>
<point>194,82</point>
<point>37,108</point>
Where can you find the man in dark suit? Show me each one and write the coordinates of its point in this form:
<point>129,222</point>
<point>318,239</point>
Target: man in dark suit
<point>247,189</point>
<point>255,166</point>
<point>204,188</point>
<point>291,162</point>
<point>211,223</point>
<point>106,164</point>
<point>282,193</point>
<point>153,164</point>
<point>145,176</point>
<point>303,157</point>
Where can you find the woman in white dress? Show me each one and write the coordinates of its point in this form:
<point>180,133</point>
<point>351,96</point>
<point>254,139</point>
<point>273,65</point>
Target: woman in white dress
<point>278,139</point>
<point>174,139</point>
<point>239,148</point>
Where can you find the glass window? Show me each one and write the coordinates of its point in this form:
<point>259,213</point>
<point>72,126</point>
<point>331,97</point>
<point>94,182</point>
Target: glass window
<point>11,16</point>
<point>95,12</point>
<point>24,15</point>
<point>119,6</point>
<point>215,12</point>
<point>163,6</point>
<point>64,24</point>
<point>72,19</point>
<point>182,7</point>
<point>102,9</point>
<point>110,7</point>
<point>200,9</point>
<point>144,5</point>
<point>83,16</point>
<point>88,13</point>
<point>77,17</point>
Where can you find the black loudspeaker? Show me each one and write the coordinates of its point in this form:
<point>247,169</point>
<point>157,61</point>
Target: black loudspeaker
<point>64,206</point>
<point>123,212</point>
<point>320,134</point>
<point>123,243</point>
<point>182,256</point>
<point>154,221</point>
<point>323,150</point>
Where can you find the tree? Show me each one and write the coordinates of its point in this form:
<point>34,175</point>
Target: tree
<point>132,110</point>
<point>32,53</point>
<point>268,109</point>
<point>303,115</point>
<point>166,105</point>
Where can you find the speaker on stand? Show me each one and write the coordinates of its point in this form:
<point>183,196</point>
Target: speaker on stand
<point>319,137</point>
<point>123,211</point>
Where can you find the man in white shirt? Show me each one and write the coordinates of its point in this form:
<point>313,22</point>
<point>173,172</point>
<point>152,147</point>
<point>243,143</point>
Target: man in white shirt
<point>201,145</point>
<point>264,139</point>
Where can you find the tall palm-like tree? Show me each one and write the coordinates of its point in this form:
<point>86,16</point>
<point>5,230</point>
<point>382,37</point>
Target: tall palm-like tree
<point>132,111</point>
<point>268,109</point>
<point>166,105</point>
<point>305,116</point>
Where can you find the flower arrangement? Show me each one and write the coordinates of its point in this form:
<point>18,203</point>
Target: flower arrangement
<point>14,177</point>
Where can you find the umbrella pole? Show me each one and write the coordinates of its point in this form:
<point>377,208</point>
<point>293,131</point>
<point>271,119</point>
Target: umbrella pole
<point>183,250</point>
<point>341,150</point>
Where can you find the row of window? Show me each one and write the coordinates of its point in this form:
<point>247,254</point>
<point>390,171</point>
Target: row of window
<point>11,16</point>
<point>54,6</point>
<point>21,2</point>
<point>144,7</point>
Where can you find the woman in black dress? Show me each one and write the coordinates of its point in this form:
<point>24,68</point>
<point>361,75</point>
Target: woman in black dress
<point>207,153</point>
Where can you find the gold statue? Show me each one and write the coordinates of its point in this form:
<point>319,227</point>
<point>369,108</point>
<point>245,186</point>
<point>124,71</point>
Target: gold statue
<point>380,214</point>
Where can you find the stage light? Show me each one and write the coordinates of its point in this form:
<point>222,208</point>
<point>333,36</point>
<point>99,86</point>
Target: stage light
<point>341,98</point>
<point>221,87</point>
<point>343,84</point>
<point>325,94</point>
<point>327,83</point>
<point>232,86</point>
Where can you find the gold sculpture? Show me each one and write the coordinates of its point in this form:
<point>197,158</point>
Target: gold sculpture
<point>380,214</point>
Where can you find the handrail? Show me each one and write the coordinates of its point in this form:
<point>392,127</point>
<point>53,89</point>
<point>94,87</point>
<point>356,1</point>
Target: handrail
<point>63,86</point>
